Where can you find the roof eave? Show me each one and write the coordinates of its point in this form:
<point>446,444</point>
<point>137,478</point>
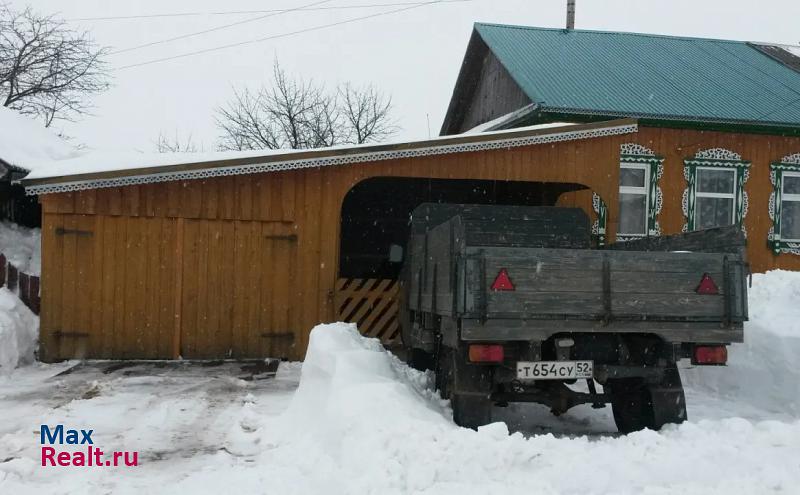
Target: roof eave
<point>644,116</point>
<point>326,157</point>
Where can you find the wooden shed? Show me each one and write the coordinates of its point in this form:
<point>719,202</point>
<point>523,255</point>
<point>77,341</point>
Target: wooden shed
<point>241,255</point>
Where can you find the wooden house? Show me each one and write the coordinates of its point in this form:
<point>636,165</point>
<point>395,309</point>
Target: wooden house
<point>240,255</point>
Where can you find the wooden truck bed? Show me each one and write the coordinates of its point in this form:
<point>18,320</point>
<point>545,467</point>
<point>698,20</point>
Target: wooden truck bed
<point>559,285</point>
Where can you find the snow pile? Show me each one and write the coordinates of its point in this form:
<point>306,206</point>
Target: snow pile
<point>19,329</point>
<point>25,142</point>
<point>362,422</point>
<point>21,246</point>
<point>763,371</point>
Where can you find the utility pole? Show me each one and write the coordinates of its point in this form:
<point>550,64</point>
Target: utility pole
<point>570,14</point>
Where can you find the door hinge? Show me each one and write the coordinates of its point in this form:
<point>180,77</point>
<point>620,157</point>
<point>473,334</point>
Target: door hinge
<point>278,335</point>
<point>74,335</point>
<point>82,233</point>
<point>289,237</point>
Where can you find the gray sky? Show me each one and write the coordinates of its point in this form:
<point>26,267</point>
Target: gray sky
<point>413,55</point>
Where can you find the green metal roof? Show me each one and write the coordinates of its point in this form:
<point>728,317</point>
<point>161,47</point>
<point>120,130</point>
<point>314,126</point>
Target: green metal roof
<point>647,76</point>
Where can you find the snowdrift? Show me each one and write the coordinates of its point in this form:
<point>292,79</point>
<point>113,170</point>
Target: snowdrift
<point>368,424</point>
<point>763,371</point>
<point>19,329</point>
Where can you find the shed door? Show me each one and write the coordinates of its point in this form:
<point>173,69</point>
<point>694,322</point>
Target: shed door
<point>236,289</point>
<point>108,287</point>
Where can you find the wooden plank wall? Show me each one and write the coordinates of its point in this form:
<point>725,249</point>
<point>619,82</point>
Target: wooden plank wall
<point>675,145</point>
<point>111,284</point>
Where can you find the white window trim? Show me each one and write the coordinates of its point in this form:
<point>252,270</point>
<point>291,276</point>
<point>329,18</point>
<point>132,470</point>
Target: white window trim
<point>731,195</point>
<point>789,197</point>
<point>642,191</point>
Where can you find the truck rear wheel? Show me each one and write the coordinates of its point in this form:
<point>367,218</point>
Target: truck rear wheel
<point>419,359</point>
<point>638,405</point>
<point>462,384</point>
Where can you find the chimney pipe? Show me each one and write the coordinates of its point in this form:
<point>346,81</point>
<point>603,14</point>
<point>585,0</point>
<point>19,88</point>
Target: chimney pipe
<point>570,14</point>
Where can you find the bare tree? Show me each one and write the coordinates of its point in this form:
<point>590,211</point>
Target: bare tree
<point>47,69</point>
<point>176,144</point>
<point>293,113</point>
<point>366,111</point>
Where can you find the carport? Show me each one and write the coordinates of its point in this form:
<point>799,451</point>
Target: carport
<point>240,255</point>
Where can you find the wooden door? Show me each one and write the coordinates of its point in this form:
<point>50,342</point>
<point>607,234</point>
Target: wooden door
<point>236,289</point>
<point>108,287</point>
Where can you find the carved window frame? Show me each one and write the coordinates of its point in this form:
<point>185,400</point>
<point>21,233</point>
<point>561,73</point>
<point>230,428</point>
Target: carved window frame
<point>788,165</point>
<point>632,153</point>
<point>709,159</point>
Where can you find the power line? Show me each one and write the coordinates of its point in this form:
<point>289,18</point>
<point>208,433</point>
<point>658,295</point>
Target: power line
<point>243,12</point>
<point>218,28</point>
<point>277,36</point>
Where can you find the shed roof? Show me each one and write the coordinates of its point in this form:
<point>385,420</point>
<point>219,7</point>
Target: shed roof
<point>97,171</point>
<point>648,76</point>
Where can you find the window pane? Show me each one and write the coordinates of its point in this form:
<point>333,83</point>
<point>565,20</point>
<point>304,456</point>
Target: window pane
<point>632,177</point>
<point>791,184</point>
<point>632,208</point>
<point>713,212</point>
<point>716,181</point>
<point>790,220</point>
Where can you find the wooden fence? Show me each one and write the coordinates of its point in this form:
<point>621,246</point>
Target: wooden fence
<point>24,285</point>
<point>373,304</point>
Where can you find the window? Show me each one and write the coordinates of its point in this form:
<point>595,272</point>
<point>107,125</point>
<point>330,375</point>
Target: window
<point>715,197</point>
<point>790,207</point>
<point>633,191</point>
<point>784,206</point>
<point>714,194</point>
<point>640,197</point>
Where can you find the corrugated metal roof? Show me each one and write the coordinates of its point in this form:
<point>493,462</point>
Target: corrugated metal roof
<point>646,76</point>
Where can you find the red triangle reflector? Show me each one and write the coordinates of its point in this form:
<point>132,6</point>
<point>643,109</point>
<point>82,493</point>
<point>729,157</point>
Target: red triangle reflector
<point>502,281</point>
<point>707,285</point>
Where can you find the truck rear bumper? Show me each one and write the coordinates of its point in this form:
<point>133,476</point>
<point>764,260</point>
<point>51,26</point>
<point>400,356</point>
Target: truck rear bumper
<point>501,330</point>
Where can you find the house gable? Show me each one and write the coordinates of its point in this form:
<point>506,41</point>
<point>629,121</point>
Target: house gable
<point>485,91</point>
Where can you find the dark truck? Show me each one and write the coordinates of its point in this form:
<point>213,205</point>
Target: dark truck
<point>512,304</point>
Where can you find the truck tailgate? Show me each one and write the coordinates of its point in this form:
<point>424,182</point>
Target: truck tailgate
<point>603,285</point>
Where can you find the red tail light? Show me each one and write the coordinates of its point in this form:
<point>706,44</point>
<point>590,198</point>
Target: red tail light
<point>710,354</point>
<point>707,285</point>
<point>502,281</point>
<point>484,353</point>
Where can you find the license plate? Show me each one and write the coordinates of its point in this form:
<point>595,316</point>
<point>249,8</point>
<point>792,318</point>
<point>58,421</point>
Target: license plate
<point>554,370</point>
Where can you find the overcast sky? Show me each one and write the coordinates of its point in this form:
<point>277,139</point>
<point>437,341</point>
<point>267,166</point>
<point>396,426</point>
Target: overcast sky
<point>412,55</point>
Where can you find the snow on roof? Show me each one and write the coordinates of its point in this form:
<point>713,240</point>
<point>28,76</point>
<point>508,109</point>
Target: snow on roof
<point>25,142</point>
<point>793,49</point>
<point>96,170</point>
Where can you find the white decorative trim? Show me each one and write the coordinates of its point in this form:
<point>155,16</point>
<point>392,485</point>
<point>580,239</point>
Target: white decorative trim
<point>635,149</point>
<point>717,154</point>
<point>685,202</point>
<point>370,156</point>
<point>659,201</point>
<point>772,211</point>
<point>793,159</point>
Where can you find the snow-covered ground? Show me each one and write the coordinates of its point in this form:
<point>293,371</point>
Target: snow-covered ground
<point>353,419</point>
